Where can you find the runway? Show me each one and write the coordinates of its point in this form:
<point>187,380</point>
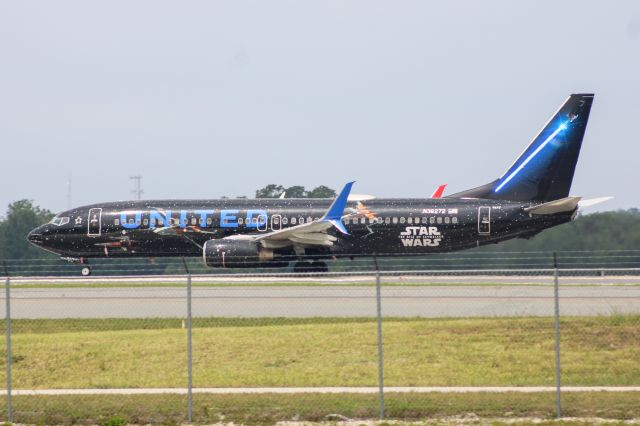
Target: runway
<point>321,301</point>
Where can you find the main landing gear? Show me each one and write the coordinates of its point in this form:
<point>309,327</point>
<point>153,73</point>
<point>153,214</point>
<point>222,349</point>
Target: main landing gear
<point>310,267</point>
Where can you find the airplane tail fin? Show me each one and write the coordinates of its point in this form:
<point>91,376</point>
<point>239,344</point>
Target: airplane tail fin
<point>544,171</point>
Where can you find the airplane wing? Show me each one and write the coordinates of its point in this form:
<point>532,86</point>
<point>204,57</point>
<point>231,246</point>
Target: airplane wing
<point>312,233</point>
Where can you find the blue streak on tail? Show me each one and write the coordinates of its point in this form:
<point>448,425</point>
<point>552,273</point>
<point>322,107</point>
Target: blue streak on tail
<point>335,212</point>
<point>560,128</point>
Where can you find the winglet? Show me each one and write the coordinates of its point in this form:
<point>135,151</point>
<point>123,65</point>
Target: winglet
<point>439,191</point>
<point>335,212</point>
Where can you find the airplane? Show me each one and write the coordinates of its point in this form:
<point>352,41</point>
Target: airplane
<point>531,196</point>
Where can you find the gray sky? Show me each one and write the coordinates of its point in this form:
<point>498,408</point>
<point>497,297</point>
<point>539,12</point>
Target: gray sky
<point>222,97</point>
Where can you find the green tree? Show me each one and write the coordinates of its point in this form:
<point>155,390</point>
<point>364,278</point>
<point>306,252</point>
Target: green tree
<point>321,192</point>
<point>296,191</point>
<point>22,217</point>
<point>270,191</point>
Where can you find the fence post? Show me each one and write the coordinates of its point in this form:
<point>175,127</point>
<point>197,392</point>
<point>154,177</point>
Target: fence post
<point>556,298</point>
<point>7,285</point>
<point>189,348</point>
<point>380,358</point>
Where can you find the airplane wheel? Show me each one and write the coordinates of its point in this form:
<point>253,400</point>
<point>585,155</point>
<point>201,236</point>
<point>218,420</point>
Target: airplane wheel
<point>86,271</point>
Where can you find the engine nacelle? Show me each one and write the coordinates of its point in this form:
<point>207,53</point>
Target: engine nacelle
<point>229,253</point>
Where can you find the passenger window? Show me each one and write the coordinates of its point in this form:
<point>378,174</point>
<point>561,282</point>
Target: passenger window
<point>454,220</point>
<point>285,220</point>
<point>209,221</point>
<point>409,219</point>
<point>403,220</point>
<point>116,222</point>
<point>446,219</point>
<point>432,220</point>
<point>309,219</point>
<point>387,220</point>
<point>363,220</point>
<point>379,220</point>
<point>131,221</point>
<point>395,220</point>
<point>301,220</point>
<point>194,221</point>
<point>145,222</point>
<point>293,220</point>
<point>425,220</point>
<point>240,221</point>
<point>439,219</point>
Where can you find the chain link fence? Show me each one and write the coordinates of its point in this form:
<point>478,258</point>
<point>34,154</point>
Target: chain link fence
<point>171,341</point>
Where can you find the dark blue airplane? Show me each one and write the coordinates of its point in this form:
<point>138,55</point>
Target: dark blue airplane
<point>532,195</point>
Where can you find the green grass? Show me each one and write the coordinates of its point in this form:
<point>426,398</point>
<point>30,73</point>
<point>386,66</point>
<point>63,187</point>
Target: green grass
<point>229,352</point>
<point>268,409</point>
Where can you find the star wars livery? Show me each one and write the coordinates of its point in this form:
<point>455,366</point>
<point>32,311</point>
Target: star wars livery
<point>532,195</point>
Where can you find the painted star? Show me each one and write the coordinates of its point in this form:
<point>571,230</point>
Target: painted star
<point>78,220</point>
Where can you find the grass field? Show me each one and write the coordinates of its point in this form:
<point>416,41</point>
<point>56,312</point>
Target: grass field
<point>129,353</point>
<point>267,409</point>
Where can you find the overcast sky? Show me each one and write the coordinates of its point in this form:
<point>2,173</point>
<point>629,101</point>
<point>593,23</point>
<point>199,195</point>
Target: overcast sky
<point>213,98</point>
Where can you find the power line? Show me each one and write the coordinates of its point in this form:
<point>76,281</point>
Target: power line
<point>138,189</point>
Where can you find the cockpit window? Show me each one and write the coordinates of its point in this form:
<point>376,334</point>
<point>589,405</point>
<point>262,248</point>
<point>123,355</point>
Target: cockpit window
<point>60,220</point>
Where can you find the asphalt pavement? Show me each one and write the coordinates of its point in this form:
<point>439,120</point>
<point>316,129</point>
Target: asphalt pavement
<point>321,301</point>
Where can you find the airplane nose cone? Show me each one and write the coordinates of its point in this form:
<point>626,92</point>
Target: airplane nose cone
<point>35,236</point>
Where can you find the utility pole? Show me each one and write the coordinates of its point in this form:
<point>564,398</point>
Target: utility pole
<point>138,191</point>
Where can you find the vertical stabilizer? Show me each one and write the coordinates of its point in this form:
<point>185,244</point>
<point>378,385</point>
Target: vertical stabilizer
<point>544,171</point>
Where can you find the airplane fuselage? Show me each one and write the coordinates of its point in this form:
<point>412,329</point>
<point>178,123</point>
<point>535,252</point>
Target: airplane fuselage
<point>382,227</point>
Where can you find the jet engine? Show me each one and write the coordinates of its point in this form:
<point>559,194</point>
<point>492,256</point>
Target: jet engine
<point>229,253</point>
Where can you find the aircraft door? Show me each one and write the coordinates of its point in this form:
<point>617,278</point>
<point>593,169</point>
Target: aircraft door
<point>484,220</point>
<point>94,227</point>
<point>262,222</point>
<point>276,222</point>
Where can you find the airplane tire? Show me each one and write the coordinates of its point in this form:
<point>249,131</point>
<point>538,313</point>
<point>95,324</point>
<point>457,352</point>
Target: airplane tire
<point>85,271</point>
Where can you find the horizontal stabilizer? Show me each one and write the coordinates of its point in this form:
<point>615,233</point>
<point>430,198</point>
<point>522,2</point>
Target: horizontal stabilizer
<point>592,202</point>
<point>562,205</point>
